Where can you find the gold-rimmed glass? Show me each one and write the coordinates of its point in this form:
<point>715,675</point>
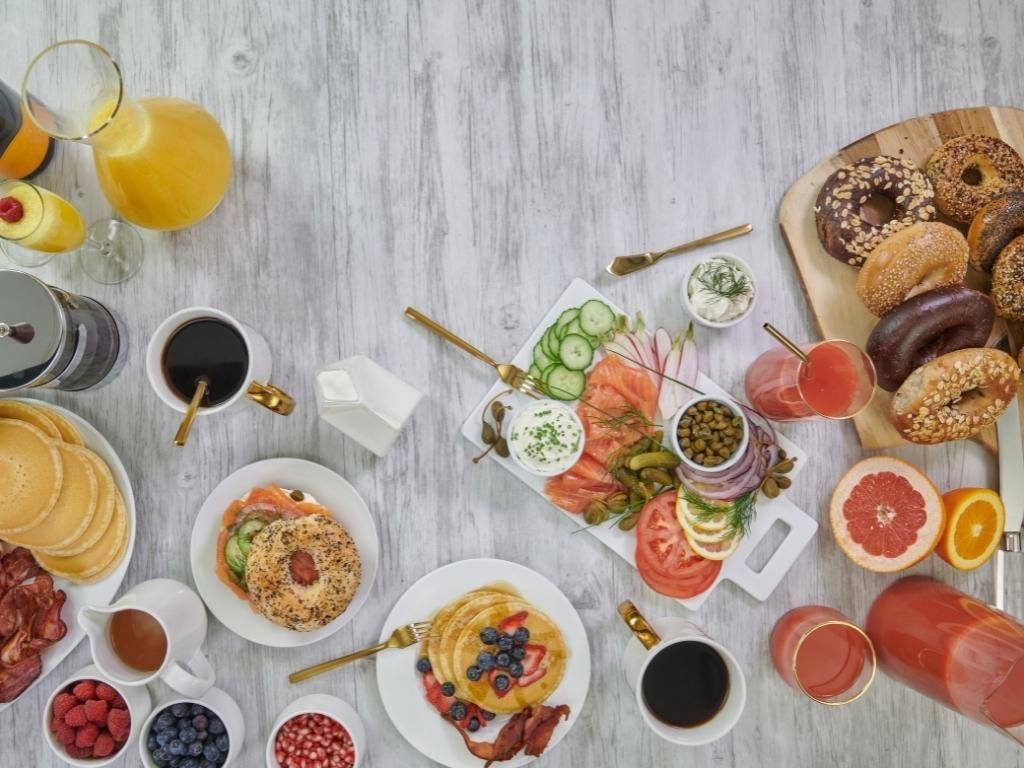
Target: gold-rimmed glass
<point>46,223</point>
<point>819,652</point>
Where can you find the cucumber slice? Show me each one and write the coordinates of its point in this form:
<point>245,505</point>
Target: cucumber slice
<point>233,555</point>
<point>563,321</point>
<point>596,318</point>
<point>573,327</point>
<point>564,384</point>
<point>250,528</point>
<point>245,545</point>
<point>551,343</point>
<point>541,358</point>
<point>575,352</point>
<point>535,372</point>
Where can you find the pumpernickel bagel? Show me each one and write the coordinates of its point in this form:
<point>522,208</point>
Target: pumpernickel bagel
<point>302,573</point>
<point>1008,281</point>
<point>920,258</point>
<point>925,327</point>
<point>955,395</point>
<point>842,228</point>
<point>993,227</point>
<point>969,171</point>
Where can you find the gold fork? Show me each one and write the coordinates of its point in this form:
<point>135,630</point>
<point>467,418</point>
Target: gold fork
<point>402,637</point>
<point>512,375</point>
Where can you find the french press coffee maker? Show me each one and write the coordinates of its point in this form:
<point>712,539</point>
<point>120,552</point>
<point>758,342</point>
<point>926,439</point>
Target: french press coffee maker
<point>55,339</point>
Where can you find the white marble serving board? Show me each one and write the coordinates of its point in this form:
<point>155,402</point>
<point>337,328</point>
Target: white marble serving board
<point>761,583</point>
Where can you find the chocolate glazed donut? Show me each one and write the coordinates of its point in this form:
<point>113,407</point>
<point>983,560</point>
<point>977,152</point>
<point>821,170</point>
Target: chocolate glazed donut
<point>925,327</point>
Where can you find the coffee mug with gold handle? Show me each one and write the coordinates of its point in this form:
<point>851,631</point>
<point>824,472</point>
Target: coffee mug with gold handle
<point>660,668</point>
<point>252,364</point>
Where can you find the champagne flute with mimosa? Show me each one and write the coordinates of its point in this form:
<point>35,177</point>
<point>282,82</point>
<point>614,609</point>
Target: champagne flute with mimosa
<point>35,223</point>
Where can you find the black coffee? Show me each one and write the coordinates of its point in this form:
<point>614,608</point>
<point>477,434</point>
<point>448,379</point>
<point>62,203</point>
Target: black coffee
<point>208,348</point>
<point>686,684</point>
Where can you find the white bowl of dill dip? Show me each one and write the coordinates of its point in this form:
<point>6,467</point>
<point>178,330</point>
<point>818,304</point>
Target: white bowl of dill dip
<point>546,437</point>
<point>719,291</point>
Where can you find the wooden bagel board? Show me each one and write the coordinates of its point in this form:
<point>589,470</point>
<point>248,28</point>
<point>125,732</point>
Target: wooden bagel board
<point>830,284</point>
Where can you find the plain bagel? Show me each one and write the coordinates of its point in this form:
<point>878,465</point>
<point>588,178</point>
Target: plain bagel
<point>302,573</point>
<point>955,395</point>
<point>926,327</point>
<point>920,258</point>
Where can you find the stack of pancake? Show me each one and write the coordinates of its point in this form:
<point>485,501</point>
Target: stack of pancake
<point>453,644</point>
<point>57,497</point>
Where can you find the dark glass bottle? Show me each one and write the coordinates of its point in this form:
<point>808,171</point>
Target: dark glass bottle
<point>24,149</point>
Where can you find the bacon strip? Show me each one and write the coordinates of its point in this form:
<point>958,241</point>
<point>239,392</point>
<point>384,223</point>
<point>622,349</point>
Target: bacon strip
<point>530,728</point>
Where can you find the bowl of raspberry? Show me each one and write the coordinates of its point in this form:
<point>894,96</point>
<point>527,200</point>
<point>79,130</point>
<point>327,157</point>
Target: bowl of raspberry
<point>205,732</point>
<point>316,730</point>
<point>89,720</point>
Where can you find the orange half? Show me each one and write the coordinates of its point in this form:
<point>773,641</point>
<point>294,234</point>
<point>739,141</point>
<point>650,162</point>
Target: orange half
<point>974,526</point>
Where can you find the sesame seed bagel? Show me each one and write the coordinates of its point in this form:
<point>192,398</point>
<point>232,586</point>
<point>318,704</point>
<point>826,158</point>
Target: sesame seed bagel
<point>955,395</point>
<point>302,573</point>
<point>924,256</point>
<point>969,171</point>
<point>1008,281</point>
<point>843,231</point>
<point>993,227</point>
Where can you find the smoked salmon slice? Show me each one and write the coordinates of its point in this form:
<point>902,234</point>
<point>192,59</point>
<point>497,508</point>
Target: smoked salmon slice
<point>617,408</point>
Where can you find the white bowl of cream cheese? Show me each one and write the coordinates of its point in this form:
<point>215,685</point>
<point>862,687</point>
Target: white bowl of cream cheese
<point>719,291</point>
<point>546,437</point>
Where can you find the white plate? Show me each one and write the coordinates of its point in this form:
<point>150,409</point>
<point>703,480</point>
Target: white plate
<point>328,488</point>
<point>399,682</point>
<point>102,592</point>
<point>760,584</point>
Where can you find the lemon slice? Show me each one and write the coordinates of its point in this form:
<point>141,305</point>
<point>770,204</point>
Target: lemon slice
<point>713,550</point>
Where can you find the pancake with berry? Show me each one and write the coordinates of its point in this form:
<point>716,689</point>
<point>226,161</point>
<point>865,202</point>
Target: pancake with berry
<point>432,642</point>
<point>510,656</point>
<point>445,668</point>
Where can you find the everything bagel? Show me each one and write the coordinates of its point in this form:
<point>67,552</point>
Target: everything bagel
<point>969,171</point>
<point>303,572</point>
<point>993,227</point>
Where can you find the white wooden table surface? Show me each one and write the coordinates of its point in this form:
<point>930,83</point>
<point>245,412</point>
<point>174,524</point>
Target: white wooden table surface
<point>470,159</point>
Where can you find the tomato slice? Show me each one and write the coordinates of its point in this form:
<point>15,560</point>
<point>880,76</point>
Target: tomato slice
<point>664,557</point>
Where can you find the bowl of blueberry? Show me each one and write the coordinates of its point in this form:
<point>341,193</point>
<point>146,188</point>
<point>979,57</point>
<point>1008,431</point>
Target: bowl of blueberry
<point>316,730</point>
<point>206,732</point>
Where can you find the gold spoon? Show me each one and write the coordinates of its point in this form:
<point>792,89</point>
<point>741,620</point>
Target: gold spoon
<point>190,415</point>
<point>627,265</point>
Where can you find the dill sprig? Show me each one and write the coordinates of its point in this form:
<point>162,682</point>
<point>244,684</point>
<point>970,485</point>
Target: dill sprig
<point>739,512</point>
<point>723,279</point>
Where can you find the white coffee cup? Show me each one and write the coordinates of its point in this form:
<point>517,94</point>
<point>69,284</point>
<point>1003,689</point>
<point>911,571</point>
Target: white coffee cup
<point>650,639</point>
<point>182,616</point>
<point>258,390</point>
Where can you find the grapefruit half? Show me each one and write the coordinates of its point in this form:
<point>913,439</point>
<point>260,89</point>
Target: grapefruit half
<point>886,515</point>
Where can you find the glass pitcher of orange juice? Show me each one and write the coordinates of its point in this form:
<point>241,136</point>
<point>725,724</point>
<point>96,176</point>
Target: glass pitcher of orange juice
<point>163,163</point>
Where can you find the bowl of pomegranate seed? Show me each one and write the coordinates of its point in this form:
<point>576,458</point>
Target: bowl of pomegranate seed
<point>89,720</point>
<point>316,730</point>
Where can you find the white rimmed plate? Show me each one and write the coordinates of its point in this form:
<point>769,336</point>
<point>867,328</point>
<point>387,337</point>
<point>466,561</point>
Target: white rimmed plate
<point>402,691</point>
<point>102,592</point>
<point>328,488</point>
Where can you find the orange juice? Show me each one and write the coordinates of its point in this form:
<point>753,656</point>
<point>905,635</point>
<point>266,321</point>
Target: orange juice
<point>37,219</point>
<point>163,163</point>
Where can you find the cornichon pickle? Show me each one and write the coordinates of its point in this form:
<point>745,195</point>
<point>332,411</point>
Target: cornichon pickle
<point>656,475</point>
<point>662,459</point>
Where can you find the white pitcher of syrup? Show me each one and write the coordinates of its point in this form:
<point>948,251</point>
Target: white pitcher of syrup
<point>154,631</point>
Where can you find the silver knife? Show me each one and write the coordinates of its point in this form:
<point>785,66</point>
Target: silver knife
<point>1011,489</point>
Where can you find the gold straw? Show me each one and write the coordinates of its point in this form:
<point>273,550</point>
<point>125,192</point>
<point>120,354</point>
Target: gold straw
<point>779,337</point>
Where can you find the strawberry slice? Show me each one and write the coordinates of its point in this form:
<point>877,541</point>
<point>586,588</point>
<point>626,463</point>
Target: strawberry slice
<point>513,622</point>
<point>526,680</point>
<point>437,700</point>
<point>534,655</point>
